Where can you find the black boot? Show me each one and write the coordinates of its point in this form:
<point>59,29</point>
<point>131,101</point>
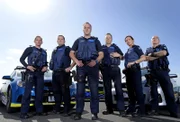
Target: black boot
<point>40,114</point>
<point>122,113</point>
<point>94,117</point>
<point>175,115</point>
<point>153,112</point>
<point>107,112</point>
<point>77,116</point>
<point>24,116</point>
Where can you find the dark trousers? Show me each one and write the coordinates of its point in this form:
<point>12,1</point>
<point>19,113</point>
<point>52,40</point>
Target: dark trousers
<point>37,79</point>
<point>164,80</point>
<point>135,91</point>
<point>61,90</point>
<point>109,74</point>
<point>93,81</point>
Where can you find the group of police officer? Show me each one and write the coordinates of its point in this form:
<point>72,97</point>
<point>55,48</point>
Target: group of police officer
<point>90,58</point>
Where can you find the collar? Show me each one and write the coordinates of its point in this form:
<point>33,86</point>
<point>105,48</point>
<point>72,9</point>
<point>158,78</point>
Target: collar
<point>61,46</point>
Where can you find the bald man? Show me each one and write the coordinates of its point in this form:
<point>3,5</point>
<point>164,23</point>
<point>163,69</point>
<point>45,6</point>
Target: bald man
<point>158,64</point>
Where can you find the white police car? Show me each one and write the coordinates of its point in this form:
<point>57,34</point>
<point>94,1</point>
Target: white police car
<point>146,89</point>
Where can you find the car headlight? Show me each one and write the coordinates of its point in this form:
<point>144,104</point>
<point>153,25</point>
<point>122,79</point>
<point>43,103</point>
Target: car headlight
<point>20,83</point>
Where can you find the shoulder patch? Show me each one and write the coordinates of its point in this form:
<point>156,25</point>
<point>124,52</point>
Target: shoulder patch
<point>138,47</point>
<point>93,37</point>
<point>163,45</point>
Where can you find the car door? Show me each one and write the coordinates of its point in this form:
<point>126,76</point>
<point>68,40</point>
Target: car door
<point>6,84</point>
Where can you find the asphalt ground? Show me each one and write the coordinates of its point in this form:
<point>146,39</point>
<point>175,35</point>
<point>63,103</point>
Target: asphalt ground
<point>86,117</point>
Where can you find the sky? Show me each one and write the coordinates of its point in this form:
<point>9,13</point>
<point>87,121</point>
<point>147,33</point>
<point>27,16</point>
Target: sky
<point>22,20</point>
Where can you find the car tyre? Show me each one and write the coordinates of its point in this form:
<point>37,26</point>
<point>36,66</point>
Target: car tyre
<point>9,109</point>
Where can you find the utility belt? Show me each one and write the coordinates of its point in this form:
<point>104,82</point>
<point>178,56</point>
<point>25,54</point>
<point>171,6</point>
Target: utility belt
<point>106,65</point>
<point>26,76</point>
<point>133,68</point>
<point>163,68</point>
<point>59,70</point>
<point>86,62</point>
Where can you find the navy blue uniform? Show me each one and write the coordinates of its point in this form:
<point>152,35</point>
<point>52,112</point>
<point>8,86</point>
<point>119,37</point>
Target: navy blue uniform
<point>87,50</point>
<point>38,59</point>
<point>159,70</point>
<point>59,62</point>
<point>111,71</point>
<point>133,79</point>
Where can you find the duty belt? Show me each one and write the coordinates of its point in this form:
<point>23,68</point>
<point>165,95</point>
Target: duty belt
<point>85,62</point>
<point>110,65</point>
<point>59,70</point>
<point>161,68</point>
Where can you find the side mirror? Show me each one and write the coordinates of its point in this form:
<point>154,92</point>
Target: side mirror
<point>173,76</point>
<point>6,77</point>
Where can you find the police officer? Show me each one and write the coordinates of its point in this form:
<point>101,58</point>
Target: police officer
<point>132,71</point>
<point>111,71</point>
<point>88,55</point>
<point>158,64</point>
<point>36,66</point>
<point>60,64</point>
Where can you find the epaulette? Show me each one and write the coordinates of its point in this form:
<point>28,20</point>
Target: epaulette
<point>94,37</point>
<point>44,50</point>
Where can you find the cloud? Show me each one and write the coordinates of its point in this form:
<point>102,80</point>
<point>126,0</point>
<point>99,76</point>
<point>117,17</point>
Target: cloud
<point>15,51</point>
<point>2,61</point>
<point>9,58</point>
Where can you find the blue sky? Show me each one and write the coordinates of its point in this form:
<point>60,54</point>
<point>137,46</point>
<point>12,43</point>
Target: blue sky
<point>21,22</point>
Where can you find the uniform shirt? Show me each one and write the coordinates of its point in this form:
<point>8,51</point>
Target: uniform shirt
<point>55,59</point>
<point>86,49</point>
<point>26,53</point>
<point>106,58</point>
<point>97,43</point>
<point>160,62</point>
<point>133,54</point>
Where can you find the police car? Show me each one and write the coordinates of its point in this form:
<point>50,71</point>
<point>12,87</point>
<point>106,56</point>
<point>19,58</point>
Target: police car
<point>13,88</point>
<point>146,89</point>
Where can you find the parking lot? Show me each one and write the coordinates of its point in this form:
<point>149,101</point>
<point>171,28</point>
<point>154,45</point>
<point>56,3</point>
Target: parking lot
<point>14,117</point>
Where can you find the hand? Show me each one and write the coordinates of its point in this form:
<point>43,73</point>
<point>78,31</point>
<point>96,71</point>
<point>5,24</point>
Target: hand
<point>130,64</point>
<point>79,63</point>
<point>68,69</point>
<point>92,63</point>
<point>115,54</point>
<point>31,68</point>
<point>148,58</point>
<point>44,69</point>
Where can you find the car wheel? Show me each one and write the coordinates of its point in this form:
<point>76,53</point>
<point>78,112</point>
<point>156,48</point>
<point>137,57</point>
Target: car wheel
<point>8,104</point>
<point>1,100</point>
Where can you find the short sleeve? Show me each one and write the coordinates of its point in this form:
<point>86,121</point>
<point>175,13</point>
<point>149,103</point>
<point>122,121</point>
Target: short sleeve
<point>119,51</point>
<point>138,50</point>
<point>163,47</point>
<point>147,51</point>
<point>98,45</point>
<point>75,45</point>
